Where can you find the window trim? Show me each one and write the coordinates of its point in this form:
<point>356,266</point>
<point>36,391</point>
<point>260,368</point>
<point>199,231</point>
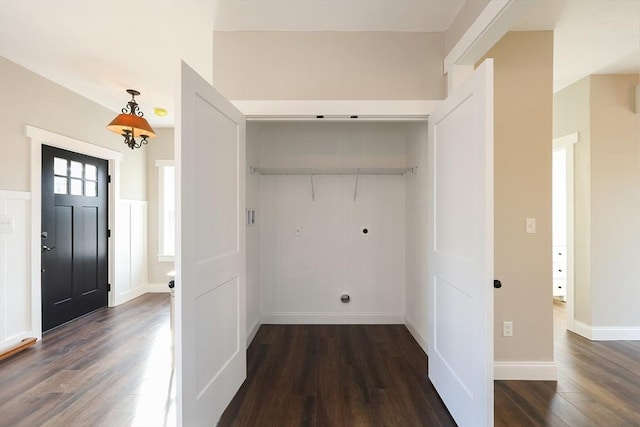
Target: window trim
<point>162,256</point>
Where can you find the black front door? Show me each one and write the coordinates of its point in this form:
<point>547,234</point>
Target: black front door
<point>74,235</point>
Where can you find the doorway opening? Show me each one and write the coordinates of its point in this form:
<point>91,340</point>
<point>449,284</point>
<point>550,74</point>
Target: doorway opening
<point>563,223</point>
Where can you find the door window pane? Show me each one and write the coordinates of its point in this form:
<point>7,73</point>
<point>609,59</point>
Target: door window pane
<point>90,172</point>
<point>76,187</point>
<point>90,189</point>
<point>59,185</point>
<point>60,166</point>
<point>76,170</point>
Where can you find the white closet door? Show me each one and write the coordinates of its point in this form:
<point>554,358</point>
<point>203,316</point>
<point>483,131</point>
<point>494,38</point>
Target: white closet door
<point>460,255</point>
<point>210,253</point>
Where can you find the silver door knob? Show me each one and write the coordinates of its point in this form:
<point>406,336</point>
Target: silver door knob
<point>46,248</point>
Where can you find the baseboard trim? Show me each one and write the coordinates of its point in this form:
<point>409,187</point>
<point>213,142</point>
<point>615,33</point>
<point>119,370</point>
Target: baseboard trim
<point>527,371</point>
<point>606,333</point>
<point>332,318</point>
<point>157,287</point>
<point>580,328</point>
<point>141,290</point>
<point>417,335</point>
<point>253,330</point>
<point>129,295</point>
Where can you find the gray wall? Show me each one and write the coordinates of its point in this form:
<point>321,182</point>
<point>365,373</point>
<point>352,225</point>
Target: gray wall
<point>28,98</point>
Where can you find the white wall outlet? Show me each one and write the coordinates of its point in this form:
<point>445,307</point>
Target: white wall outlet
<point>6,224</point>
<point>507,329</point>
<point>530,225</point>
<point>298,231</point>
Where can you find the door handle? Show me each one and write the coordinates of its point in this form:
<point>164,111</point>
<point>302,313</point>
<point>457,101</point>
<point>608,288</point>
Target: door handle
<point>46,248</point>
<point>497,283</point>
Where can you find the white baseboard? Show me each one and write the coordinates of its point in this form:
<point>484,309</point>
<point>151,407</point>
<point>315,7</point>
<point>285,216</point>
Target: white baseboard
<point>141,290</point>
<point>332,318</point>
<point>157,287</point>
<point>528,371</point>
<point>417,335</point>
<point>129,295</point>
<point>606,333</point>
<point>580,328</point>
<point>253,330</point>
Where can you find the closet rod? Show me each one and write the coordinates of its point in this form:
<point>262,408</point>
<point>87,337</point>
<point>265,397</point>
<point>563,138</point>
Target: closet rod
<point>332,171</point>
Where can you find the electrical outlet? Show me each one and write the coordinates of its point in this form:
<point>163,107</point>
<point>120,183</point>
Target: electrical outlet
<point>507,329</point>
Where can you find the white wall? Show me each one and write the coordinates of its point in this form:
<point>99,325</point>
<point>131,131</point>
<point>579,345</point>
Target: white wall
<point>15,294</point>
<point>253,288</point>
<point>416,241</point>
<point>304,276</point>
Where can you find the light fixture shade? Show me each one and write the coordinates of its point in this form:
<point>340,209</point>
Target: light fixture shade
<point>127,122</point>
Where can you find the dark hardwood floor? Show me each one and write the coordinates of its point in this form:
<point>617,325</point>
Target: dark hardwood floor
<point>112,368</point>
<point>109,368</point>
<point>598,385</point>
<point>336,376</point>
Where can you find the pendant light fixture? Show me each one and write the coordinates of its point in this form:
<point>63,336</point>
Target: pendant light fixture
<point>131,124</point>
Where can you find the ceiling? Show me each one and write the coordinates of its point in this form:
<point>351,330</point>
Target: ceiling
<point>590,36</point>
<point>100,48</point>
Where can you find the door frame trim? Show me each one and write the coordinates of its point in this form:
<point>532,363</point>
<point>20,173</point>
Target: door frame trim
<point>39,137</point>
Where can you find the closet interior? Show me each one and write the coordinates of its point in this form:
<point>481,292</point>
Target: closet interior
<point>337,209</point>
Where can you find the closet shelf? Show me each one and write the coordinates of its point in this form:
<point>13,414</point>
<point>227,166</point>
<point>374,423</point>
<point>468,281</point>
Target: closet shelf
<point>333,171</point>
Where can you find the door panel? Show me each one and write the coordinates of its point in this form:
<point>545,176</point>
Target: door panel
<point>461,250</point>
<point>210,253</point>
<point>74,251</point>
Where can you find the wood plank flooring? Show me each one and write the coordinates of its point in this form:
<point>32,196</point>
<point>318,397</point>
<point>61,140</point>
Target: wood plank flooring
<point>112,368</point>
<point>109,368</point>
<point>336,376</point>
<point>598,385</point>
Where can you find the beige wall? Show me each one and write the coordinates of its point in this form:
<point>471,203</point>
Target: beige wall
<point>467,15</point>
<point>328,65</point>
<point>159,148</point>
<point>27,98</point>
<point>607,197</point>
<point>571,113</point>
<point>615,201</point>
<point>522,156</point>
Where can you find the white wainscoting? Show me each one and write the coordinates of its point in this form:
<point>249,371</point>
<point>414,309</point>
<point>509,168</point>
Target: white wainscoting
<point>131,250</point>
<point>15,276</point>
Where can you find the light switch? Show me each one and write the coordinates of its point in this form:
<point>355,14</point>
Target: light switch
<point>530,227</point>
<point>298,231</point>
<point>6,224</point>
